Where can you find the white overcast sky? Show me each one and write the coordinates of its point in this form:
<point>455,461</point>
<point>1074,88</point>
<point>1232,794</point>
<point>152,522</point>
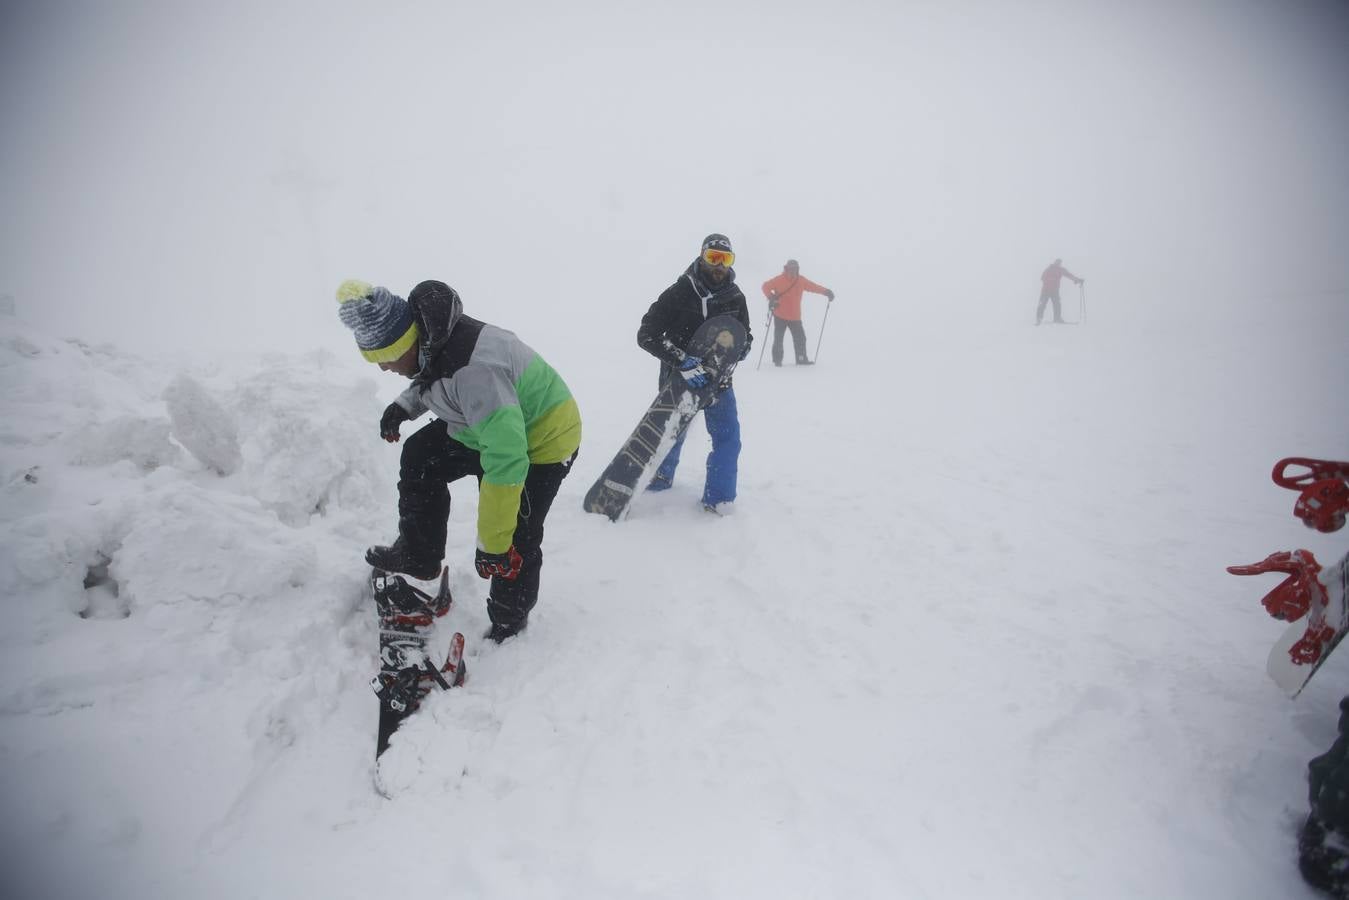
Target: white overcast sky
<point>204,174</point>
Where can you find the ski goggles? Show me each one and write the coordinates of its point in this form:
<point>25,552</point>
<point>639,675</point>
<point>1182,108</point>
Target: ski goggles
<point>714,257</point>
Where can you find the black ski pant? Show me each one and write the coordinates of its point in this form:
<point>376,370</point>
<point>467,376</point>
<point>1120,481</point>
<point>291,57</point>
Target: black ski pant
<point>798,338</point>
<point>431,460</point>
<point>1045,296</point>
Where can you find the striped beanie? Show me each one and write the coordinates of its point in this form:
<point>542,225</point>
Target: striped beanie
<point>381,321</point>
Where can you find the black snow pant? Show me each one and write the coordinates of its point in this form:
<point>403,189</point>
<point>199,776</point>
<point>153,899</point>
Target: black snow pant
<point>1045,296</point>
<point>1321,857</point>
<point>798,339</point>
<point>431,460</point>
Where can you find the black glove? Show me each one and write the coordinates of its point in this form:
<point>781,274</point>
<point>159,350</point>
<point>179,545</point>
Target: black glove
<point>388,423</point>
<point>830,295</point>
<point>507,564</point>
<point>773,303</point>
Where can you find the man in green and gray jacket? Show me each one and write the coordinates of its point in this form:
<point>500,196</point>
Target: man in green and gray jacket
<point>504,416</point>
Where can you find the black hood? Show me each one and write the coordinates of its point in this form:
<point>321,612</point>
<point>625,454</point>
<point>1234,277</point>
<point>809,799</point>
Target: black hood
<point>437,309</point>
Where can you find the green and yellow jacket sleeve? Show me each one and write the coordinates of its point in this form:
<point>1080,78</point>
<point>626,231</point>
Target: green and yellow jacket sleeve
<point>505,463</point>
<point>509,405</point>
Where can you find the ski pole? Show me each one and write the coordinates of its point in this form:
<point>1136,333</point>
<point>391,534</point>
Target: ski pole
<point>1082,301</point>
<point>820,339</point>
<point>766,325</point>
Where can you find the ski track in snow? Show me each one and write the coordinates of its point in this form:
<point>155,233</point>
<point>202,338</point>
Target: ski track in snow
<point>966,634</point>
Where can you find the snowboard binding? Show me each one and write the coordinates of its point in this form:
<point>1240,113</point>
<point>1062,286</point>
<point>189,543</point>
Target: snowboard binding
<point>1300,594</point>
<point>1297,593</point>
<point>1323,498</point>
<point>401,690</point>
<point>403,605</point>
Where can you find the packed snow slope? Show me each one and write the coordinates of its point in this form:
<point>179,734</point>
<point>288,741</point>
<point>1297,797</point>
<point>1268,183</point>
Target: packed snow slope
<point>967,633</point>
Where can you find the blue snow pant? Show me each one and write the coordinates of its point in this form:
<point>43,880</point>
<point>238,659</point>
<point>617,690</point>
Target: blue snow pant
<point>723,426</point>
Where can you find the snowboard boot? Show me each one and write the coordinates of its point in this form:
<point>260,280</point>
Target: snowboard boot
<point>659,483</point>
<point>1322,858</point>
<point>402,606</point>
<point>397,558</point>
<point>499,633</point>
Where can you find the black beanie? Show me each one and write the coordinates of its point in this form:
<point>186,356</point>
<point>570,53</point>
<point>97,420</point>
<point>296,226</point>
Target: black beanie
<point>717,242</point>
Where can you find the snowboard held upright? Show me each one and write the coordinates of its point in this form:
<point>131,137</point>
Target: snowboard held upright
<point>406,673</point>
<point>718,343</point>
<point>1315,598</point>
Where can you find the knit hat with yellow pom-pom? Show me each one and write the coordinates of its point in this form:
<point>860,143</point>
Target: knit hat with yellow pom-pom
<point>382,322</point>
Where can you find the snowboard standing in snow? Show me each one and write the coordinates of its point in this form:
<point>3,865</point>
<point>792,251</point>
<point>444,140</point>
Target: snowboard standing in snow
<point>1312,597</point>
<point>406,674</point>
<point>718,343</point>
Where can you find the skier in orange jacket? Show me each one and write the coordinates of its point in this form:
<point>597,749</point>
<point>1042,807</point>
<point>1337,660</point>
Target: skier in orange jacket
<point>784,300</point>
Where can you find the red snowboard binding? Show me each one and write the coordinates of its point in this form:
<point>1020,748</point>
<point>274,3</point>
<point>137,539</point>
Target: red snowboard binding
<point>1300,594</point>
<point>1324,491</point>
<point>1292,599</point>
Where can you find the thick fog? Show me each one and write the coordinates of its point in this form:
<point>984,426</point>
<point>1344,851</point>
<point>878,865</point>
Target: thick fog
<point>202,176</point>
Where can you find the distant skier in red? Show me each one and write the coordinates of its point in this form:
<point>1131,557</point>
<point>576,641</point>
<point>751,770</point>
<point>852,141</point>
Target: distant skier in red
<point>1049,289</point>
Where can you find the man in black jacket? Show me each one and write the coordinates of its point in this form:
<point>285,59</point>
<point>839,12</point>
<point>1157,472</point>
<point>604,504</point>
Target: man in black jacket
<point>706,289</point>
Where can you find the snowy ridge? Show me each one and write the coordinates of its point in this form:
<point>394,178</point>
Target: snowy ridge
<point>968,634</point>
